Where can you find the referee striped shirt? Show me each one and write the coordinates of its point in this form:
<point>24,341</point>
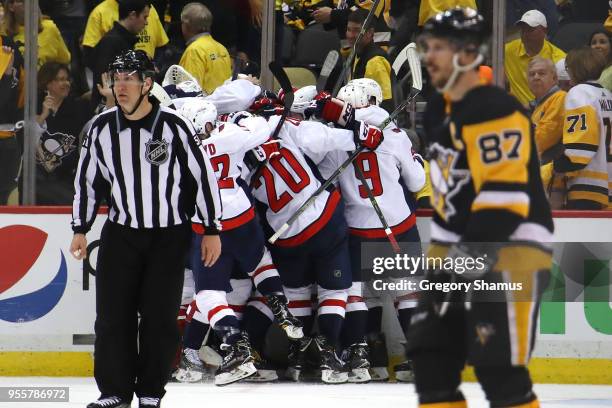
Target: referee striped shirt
<point>152,173</point>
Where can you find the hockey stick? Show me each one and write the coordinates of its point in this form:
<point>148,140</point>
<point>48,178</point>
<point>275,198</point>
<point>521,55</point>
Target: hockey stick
<point>417,85</point>
<point>349,60</point>
<point>328,66</point>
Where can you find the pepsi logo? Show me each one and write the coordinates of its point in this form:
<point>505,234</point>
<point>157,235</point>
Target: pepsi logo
<point>33,274</point>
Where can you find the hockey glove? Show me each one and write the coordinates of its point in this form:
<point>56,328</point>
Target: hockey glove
<point>267,150</point>
<point>235,117</point>
<point>367,136</point>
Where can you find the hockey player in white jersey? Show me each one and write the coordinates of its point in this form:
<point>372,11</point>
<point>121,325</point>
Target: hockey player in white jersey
<point>226,143</point>
<point>389,170</point>
<point>314,249</point>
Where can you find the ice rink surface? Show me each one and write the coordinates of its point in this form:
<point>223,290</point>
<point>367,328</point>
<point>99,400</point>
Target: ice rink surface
<point>246,395</point>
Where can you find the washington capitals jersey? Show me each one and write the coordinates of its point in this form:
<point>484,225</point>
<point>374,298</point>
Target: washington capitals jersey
<point>226,148</point>
<point>385,170</point>
<point>484,170</point>
<point>290,178</point>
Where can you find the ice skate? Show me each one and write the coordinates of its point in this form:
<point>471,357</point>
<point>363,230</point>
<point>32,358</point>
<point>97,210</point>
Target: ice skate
<point>332,369</point>
<point>379,360</point>
<point>109,402</point>
<point>191,368</point>
<point>297,358</point>
<point>237,363</point>
<point>289,323</point>
<point>356,360</point>
<point>265,371</point>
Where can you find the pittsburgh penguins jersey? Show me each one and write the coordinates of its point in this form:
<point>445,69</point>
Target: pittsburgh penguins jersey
<point>385,170</point>
<point>587,128</point>
<point>290,178</point>
<point>226,148</point>
<point>484,170</point>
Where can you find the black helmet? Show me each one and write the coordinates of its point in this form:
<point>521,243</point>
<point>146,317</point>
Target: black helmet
<point>460,24</point>
<point>133,60</point>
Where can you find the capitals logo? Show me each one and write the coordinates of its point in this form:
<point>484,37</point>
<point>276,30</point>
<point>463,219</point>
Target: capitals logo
<point>33,274</point>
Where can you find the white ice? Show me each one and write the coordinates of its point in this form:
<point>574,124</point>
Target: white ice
<point>289,395</point>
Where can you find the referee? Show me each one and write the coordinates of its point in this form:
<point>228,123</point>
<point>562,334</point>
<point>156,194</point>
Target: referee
<point>146,162</point>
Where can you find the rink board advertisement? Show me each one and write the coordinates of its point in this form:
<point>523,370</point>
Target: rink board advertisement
<point>47,301</point>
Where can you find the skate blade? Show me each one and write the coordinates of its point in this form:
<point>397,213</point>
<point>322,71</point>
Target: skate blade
<point>379,374</point>
<point>263,376</point>
<point>333,377</point>
<point>239,373</point>
<point>404,376</point>
<point>359,375</point>
<point>294,332</point>
<point>188,376</point>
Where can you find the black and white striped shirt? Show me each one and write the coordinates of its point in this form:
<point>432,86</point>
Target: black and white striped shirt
<point>152,173</point>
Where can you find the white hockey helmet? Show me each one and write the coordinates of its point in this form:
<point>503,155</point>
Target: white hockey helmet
<point>200,113</point>
<point>355,95</point>
<point>371,87</point>
<point>302,98</point>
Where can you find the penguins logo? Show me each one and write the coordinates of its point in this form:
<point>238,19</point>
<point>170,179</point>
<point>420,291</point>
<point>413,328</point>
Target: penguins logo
<point>446,180</point>
<point>156,152</point>
<point>53,148</point>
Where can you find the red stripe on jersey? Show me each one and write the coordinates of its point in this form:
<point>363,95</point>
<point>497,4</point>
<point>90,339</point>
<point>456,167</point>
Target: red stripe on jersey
<point>216,310</point>
<point>193,307</point>
<point>380,232</point>
<point>316,226</point>
<point>354,299</point>
<point>333,302</point>
<point>263,269</point>
<point>238,220</point>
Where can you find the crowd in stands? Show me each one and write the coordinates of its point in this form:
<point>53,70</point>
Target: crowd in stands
<point>78,38</point>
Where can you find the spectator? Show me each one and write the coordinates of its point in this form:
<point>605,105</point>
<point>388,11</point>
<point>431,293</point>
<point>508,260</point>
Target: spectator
<point>519,52</point>
<point>11,111</point>
<point>600,41</point>
<point>563,78</point>
<point>206,59</point>
<point>516,8</point>
<point>370,60</point>
<point>123,36</point>
<point>584,136</point>
<point>51,46</point>
<point>61,117</point>
<point>547,107</point>
<point>101,21</point>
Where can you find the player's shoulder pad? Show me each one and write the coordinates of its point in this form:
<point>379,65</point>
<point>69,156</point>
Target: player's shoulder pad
<point>487,103</point>
<point>581,95</point>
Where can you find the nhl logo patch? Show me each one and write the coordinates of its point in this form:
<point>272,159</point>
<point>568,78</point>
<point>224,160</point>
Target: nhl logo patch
<point>156,152</point>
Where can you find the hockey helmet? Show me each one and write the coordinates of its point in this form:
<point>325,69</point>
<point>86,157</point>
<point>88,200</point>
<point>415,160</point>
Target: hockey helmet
<point>200,113</point>
<point>132,61</point>
<point>460,24</point>
<point>303,98</point>
<point>355,95</point>
<point>371,88</point>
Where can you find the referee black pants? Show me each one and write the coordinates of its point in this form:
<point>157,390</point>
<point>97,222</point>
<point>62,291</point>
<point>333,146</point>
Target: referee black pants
<point>139,273</point>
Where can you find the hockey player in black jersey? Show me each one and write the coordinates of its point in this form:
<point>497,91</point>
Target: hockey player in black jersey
<point>486,189</point>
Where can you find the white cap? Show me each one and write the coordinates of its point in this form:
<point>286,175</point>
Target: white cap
<point>533,18</point>
<point>561,71</point>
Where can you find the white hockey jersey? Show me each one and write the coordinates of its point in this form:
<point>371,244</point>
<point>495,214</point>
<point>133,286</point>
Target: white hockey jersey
<point>586,138</point>
<point>233,96</point>
<point>288,180</point>
<point>226,148</point>
<point>385,170</point>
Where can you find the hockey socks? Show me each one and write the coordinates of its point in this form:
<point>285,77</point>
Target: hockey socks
<point>194,335</point>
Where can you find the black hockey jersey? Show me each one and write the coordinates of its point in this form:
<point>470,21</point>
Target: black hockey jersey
<point>484,170</point>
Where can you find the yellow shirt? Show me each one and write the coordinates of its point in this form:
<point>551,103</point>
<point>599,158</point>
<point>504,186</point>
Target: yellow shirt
<point>515,65</point>
<point>430,8</point>
<point>426,190</point>
<point>548,119</point>
<point>208,61</point>
<point>51,46</point>
<point>101,21</point>
<point>379,69</point>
